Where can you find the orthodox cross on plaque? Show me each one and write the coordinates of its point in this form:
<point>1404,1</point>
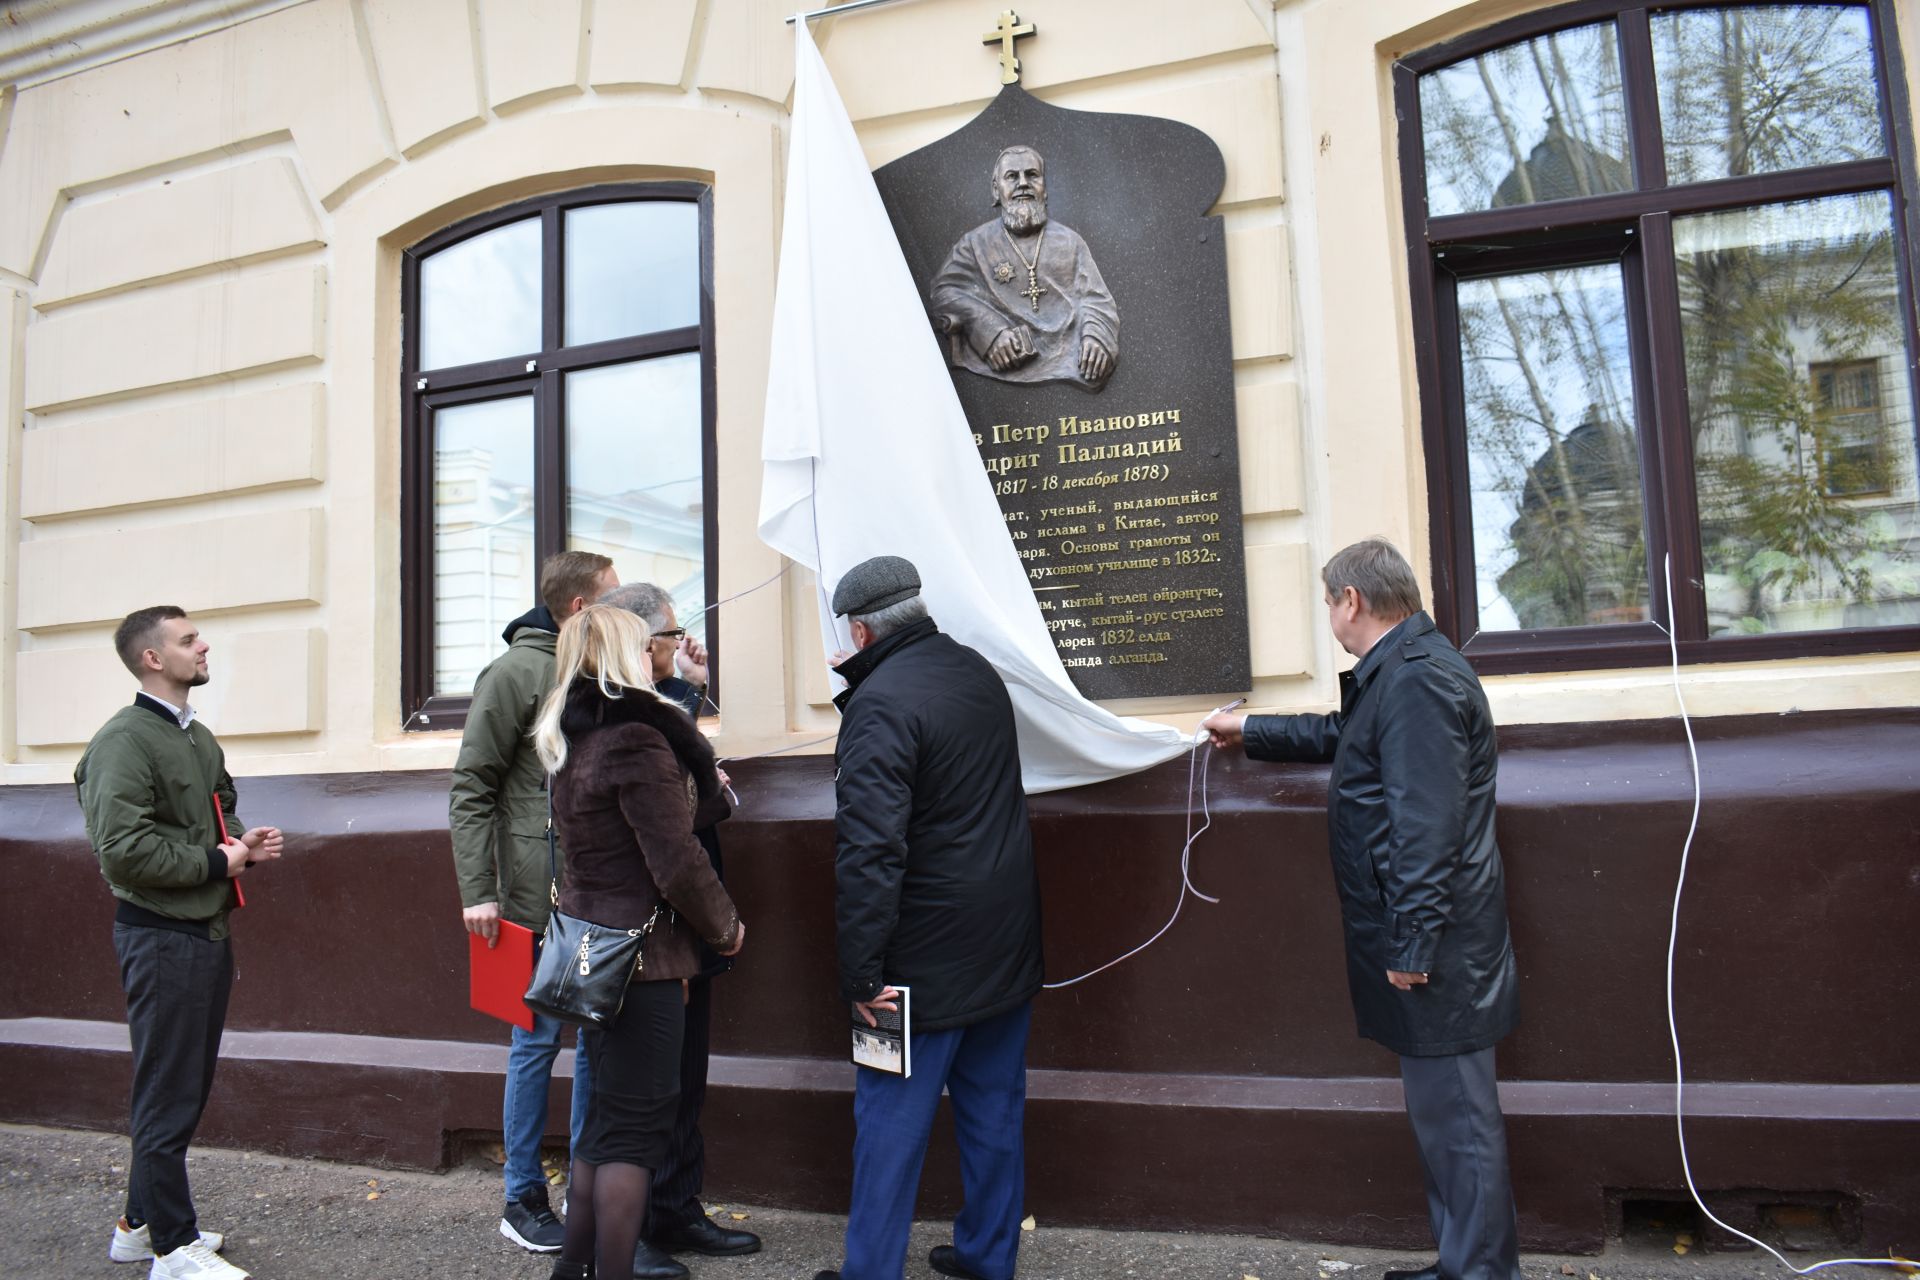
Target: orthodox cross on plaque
<point>1009,30</point>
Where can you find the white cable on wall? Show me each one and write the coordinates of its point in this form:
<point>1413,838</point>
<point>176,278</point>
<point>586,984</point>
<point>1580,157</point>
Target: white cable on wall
<point>1186,855</point>
<point>1673,1026</point>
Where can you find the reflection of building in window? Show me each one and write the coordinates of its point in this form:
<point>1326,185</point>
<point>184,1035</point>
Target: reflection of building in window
<point>1851,429</point>
<point>483,563</point>
<point>1579,557</point>
<point>484,566</point>
<point>1561,167</point>
<point>650,539</point>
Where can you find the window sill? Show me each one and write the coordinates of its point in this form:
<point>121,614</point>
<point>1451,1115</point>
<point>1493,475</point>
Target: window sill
<point>1608,648</point>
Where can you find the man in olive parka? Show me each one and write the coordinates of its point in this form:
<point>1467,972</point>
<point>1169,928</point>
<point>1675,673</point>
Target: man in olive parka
<point>498,815</point>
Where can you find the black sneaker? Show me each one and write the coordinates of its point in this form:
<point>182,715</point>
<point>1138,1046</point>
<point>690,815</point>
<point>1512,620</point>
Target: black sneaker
<point>529,1223</point>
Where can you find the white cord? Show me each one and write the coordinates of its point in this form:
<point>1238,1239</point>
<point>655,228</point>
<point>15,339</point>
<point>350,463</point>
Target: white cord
<point>784,566</point>
<point>1673,1026</point>
<point>1186,854</point>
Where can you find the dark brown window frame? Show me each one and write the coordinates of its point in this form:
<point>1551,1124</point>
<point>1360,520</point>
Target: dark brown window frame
<point>1636,226</point>
<point>422,709</point>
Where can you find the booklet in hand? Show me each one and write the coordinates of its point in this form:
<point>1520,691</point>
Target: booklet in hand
<point>500,974</point>
<point>887,1046</point>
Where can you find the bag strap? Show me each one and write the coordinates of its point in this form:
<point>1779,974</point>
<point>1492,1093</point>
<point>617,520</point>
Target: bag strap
<point>553,861</point>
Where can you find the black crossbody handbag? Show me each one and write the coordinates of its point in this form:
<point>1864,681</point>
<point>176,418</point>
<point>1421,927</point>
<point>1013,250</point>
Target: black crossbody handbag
<point>582,972</point>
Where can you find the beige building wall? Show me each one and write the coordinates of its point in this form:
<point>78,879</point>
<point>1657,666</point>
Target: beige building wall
<point>199,325</point>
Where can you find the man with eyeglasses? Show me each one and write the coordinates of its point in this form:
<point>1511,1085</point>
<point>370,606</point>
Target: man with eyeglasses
<point>677,1222</point>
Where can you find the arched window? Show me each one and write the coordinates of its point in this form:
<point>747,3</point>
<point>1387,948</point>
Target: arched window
<point>558,392</point>
<point>1661,267</point>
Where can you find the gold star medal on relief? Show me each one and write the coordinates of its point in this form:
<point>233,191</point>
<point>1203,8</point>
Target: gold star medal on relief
<point>1003,272</point>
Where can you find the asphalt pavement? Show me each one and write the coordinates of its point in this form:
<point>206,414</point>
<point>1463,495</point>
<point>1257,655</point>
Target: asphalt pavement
<point>290,1219</point>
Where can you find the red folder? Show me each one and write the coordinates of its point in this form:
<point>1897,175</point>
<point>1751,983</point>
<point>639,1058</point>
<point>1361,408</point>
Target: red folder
<point>500,974</point>
<point>220,816</point>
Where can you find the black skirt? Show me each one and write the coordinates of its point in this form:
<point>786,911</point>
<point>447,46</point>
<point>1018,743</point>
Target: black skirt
<point>636,1078</point>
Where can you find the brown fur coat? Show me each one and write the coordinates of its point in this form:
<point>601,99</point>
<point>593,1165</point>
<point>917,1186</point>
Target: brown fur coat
<point>639,777</point>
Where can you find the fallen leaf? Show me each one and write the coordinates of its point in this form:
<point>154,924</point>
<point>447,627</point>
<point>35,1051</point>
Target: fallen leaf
<point>1592,1276</point>
<point>1685,1238</point>
<point>1028,1224</point>
<point>373,1182</point>
<point>373,1195</point>
<point>1905,1266</point>
<point>738,1217</point>
<point>1245,1276</point>
<point>1566,1269</point>
<point>1682,1249</point>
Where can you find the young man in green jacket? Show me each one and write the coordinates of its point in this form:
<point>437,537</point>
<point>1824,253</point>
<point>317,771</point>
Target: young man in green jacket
<point>149,785</point>
<point>498,817</point>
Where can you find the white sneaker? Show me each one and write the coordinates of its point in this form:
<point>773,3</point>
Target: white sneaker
<point>194,1262</point>
<point>135,1244</point>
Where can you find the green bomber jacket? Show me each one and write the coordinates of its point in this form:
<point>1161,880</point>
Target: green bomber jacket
<point>147,791</point>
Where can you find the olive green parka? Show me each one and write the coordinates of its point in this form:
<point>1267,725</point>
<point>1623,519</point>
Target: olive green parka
<point>498,807</point>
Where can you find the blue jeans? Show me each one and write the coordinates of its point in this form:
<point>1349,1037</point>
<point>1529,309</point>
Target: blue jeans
<point>983,1068</point>
<point>523,1112</point>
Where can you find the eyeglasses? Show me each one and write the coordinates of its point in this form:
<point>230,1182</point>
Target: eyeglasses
<point>673,635</point>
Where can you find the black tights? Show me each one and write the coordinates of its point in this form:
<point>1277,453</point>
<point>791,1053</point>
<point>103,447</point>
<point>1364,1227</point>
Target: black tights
<point>606,1204</point>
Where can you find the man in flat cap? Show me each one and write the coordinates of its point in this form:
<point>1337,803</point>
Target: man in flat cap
<point>936,892</point>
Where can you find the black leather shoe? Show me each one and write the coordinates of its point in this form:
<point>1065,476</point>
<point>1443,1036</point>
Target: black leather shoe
<point>947,1262</point>
<point>651,1264</point>
<point>564,1270</point>
<point>708,1237</point>
<point>1424,1273</point>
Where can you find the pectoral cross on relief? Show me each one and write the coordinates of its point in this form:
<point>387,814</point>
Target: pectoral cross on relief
<point>1033,290</point>
<point>1009,30</point>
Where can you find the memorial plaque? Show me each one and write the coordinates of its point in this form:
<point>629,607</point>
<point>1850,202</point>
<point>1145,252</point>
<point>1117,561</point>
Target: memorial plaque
<point>1079,290</point>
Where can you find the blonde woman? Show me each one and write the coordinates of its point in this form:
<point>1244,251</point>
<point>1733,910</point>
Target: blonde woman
<point>632,779</point>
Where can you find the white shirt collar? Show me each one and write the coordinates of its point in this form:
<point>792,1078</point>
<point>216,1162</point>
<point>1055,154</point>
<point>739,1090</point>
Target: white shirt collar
<point>185,715</point>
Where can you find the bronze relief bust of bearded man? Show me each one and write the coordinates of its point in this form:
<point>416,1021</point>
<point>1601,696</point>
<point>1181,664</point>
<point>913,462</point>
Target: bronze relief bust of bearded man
<point>1020,298</point>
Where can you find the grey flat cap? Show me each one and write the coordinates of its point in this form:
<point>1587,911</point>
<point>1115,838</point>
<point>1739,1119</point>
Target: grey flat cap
<point>872,585</point>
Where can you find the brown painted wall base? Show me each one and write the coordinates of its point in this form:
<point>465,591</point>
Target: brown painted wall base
<point>1215,1081</point>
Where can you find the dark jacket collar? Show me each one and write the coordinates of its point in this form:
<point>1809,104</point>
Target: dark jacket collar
<point>588,709</point>
<point>536,618</point>
<point>683,694</point>
<point>861,664</point>
<point>159,708</point>
<point>1407,629</point>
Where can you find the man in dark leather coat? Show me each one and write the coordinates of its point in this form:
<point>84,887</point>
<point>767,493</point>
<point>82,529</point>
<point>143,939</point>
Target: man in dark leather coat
<point>935,891</point>
<point>1410,809</point>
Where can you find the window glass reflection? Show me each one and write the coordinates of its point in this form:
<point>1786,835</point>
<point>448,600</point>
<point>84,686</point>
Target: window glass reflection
<point>1553,455</point>
<point>1765,88</point>
<point>634,482</point>
<point>480,299</point>
<point>632,268</point>
<point>1544,119</point>
<point>484,570</point>
<point>1802,416</point>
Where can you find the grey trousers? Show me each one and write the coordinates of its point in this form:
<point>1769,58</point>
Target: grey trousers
<point>177,987</point>
<point>1455,1109</point>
